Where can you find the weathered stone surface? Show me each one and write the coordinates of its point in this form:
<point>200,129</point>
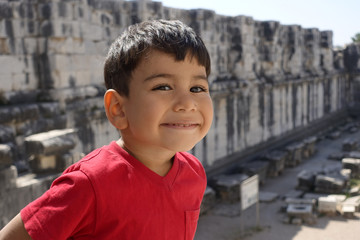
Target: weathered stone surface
<point>295,156</point>
<point>208,201</point>
<point>349,145</point>
<point>354,191</point>
<point>301,201</point>
<point>276,161</point>
<point>51,142</point>
<point>8,178</point>
<point>28,188</point>
<point>314,196</point>
<point>7,134</point>
<point>256,167</point>
<point>306,180</point>
<point>61,45</point>
<point>310,146</point>
<point>301,213</point>
<point>327,205</point>
<point>329,184</point>
<point>334,135</point>
<point>267,79</point>
<point>353,164</point>
<point>228,186</point>
<point>352,201</point>
<point>338,156</point>
<point>348,211</point>
<point>43,163</point>
<point>351,57</point>
<point>6,156</point>
<point>353,154</point>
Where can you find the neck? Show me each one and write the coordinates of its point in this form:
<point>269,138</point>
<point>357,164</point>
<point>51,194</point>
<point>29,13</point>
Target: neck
<point>158,161</point>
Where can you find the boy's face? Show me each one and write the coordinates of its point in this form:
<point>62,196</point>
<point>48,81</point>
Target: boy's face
<point>169,105</point>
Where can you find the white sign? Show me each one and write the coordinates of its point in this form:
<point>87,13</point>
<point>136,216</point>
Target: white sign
<point>249,190</point>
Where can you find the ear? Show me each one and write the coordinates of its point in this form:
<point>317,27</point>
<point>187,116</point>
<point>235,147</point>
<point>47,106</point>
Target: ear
<point>114,108</point>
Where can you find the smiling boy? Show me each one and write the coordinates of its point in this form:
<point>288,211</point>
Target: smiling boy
<point>145,185</point>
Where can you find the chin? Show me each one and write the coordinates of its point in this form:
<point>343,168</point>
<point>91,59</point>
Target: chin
<point>182,148</point>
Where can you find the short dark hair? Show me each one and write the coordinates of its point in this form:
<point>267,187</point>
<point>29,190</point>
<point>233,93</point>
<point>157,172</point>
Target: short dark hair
<point>172,37</point>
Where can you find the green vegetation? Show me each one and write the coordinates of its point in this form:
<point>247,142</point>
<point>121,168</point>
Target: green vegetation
<point>354,182</point>
<point>356,38</point>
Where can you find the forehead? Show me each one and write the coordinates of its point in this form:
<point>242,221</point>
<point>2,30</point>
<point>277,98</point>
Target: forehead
<point>160,59</point>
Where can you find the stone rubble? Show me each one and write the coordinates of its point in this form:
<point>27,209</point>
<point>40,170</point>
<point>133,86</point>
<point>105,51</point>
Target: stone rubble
<point>353,164</point>
<point>300,213</point>
<point>264,79</point>
<point>350,145</point>
<point>329,184</point>
<point>256,167</point>
<point>6,156</point>
<point>318,192</point>
<point>209,200</point>
<point>328,205</point>
<point>306,180</point>
<point>310,147</point>
<point>228,186</point>
<point>50,151</point>
<point>295,151</point>
<point>276,160</point>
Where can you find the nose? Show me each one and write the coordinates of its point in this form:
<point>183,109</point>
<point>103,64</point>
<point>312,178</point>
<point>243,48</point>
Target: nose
<point>185,102</point>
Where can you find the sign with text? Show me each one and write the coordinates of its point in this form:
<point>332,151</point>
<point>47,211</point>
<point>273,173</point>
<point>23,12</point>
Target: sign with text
<point>249,190</point>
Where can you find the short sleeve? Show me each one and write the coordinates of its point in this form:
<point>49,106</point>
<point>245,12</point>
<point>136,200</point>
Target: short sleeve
<point>66,210</point>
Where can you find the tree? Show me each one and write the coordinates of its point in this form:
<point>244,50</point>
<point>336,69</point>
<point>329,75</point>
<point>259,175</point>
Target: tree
<point>356,38</point>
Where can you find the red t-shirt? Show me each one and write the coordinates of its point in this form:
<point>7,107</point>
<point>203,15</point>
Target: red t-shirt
<point>111,195</point>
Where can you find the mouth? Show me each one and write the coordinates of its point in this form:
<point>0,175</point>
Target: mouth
<point>181,125</point>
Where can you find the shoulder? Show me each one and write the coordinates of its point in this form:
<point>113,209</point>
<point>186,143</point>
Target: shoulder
<point>103,158</point>
<point>191,162</point>
<point>103,164</point>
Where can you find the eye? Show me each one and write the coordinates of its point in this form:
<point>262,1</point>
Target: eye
<point>198,89</point>
<point>162,88</point>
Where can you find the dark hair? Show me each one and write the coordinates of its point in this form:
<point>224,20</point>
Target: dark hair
<point>172,37</point>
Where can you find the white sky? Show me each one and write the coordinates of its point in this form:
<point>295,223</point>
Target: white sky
<point>340,16</point>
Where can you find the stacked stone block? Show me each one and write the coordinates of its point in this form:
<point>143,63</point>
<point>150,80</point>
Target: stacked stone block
<point>309,147</point>
<point>209,200</point>
<point>276,160</point>
<point>256,167</point>
<point>295,154</point>
<point>329,184</point>
<point>306,180</point>
<point>228,187</point>
<point>50,151</point>
<point>58,48</point>
<point>350,145</point>
<point>353,164</point>
<point>267,78</point>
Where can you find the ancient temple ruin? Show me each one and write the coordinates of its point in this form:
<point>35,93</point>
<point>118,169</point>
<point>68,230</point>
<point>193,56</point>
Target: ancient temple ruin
<point>270,83</point>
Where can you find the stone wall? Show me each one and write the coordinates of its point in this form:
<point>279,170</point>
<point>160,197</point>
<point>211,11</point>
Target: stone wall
<point>268,81</point>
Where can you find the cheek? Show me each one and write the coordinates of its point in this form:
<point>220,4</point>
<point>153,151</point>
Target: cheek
<point>146,110</point>
<point>208,110</point>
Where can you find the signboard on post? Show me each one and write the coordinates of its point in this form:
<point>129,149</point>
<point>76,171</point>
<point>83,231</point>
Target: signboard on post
<point>249,190</point>
<point>249,195</point>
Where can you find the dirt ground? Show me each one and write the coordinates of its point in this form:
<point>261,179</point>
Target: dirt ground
<point>224,221</point>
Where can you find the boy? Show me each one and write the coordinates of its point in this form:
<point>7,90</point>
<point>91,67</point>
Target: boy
<point>144,186</point>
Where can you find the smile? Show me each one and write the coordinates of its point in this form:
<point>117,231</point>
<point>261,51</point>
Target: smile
<point>180,125</point>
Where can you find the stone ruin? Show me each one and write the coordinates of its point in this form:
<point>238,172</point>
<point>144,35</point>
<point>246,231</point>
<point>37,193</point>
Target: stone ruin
<point>271,84</point>
<point>330,191</point>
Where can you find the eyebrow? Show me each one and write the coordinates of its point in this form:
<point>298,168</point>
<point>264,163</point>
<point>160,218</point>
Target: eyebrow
<point>165,75</point>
